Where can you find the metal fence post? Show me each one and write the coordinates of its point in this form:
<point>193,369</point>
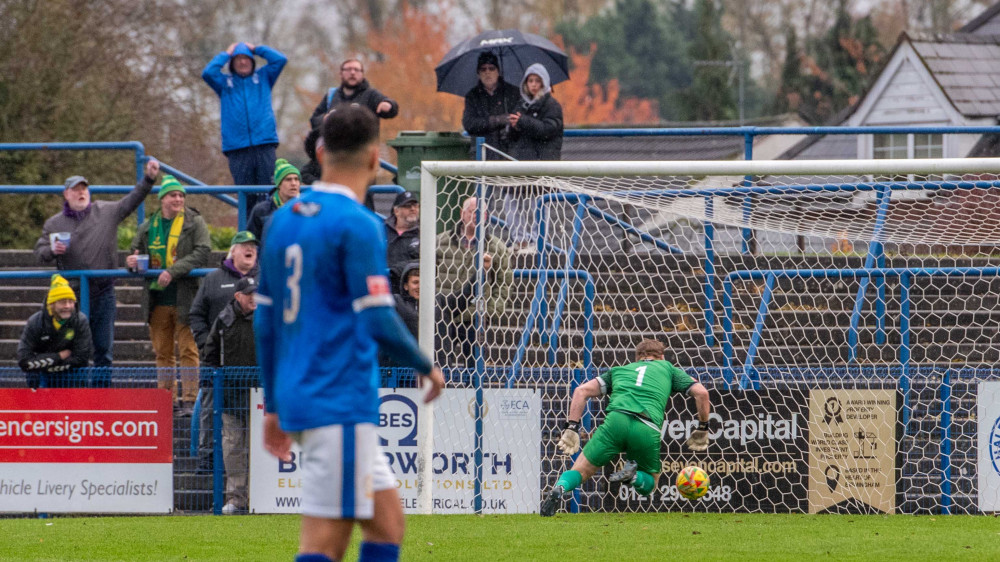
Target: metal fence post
<point>140,173</point>
<point>218,468</point>
<point>241,211</point>
<point>747,199</point>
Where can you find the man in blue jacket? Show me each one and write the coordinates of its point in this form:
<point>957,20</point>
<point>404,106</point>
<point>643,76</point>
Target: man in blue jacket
<point>249,132</point>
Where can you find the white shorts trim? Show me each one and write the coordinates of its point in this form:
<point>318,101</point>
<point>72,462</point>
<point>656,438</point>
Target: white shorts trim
<point>342,468</point>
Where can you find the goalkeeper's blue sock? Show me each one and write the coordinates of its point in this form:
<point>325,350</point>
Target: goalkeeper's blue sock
<point>569,480</point>
<point>378,552</point>
<point>643,483</point>
<point>313,557</point>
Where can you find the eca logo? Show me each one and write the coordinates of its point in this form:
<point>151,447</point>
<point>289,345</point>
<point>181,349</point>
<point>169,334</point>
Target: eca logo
<point>995,445</point>
<point>397,421</point>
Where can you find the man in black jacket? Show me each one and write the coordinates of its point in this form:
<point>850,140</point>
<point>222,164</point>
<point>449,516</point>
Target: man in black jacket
<point>56,341</point>
<point>402,235</point>
<point>488,106</point>
<point>214,294</point>
<point>354,89</point>
<point>231,344</point>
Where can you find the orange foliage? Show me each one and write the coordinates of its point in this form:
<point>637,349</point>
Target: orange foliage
<point>594,104</point>
<point>401,66</point>
<point>408,48</point>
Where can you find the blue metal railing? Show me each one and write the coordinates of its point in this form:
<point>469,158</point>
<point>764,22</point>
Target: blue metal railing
<point>86,275</point>
<point>751,379</point>
<point>218,192</point>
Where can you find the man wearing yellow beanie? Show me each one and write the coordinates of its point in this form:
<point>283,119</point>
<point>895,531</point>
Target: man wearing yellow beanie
<point>56,341</point>
<point>287,185</point>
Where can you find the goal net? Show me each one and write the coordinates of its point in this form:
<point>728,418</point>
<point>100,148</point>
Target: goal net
<point>842,314</point>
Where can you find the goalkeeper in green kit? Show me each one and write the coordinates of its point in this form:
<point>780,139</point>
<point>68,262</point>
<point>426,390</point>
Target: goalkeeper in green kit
<point>639,393</point>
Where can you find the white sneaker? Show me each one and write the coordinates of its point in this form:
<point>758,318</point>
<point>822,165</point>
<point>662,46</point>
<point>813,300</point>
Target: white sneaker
<point>229,509</point>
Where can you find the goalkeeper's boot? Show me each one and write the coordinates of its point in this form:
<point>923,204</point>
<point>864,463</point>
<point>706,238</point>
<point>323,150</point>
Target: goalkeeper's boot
<point>552,502</point>
<point>626,474</point>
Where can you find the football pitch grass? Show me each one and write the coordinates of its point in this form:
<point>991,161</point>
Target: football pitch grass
<point>565,537</point>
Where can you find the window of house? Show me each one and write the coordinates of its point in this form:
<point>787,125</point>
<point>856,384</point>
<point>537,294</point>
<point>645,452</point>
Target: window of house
<point>909,145</point>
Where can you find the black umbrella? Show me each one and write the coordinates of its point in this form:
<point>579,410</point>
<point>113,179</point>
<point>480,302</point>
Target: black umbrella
<point>456,73</point>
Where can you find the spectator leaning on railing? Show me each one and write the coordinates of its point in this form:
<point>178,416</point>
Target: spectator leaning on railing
<point>92,229</point>
<point>177,241</point>
<point>214,294</point>
<point>249,129</point>
<point>56,340</point>
<point>231,344</point>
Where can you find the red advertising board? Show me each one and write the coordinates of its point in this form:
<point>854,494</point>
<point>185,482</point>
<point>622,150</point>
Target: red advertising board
<point>69,425</point>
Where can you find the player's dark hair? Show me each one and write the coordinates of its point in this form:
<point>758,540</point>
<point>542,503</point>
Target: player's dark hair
<point>647,348</point>
<point>347,130</point>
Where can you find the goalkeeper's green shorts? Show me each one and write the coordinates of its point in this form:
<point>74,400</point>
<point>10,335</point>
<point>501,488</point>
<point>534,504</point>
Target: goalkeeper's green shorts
<point>622,433</point>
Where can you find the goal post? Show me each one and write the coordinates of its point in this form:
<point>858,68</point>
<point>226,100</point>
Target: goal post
<point>845,342</point>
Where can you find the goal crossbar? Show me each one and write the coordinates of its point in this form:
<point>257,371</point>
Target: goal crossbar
<point>719,168</point>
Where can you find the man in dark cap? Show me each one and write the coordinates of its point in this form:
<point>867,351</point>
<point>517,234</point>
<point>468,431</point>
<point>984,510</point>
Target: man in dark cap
<point>488,105</point>
<point>402,234</point>
<point>231,344</point>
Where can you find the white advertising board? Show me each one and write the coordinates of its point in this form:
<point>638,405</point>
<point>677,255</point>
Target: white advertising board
<point>511,460</point>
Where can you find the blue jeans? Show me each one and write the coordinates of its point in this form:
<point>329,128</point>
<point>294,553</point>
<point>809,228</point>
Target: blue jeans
<point>253,165</point>
<point>102,328</point>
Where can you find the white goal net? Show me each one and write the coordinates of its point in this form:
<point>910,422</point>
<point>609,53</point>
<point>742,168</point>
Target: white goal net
<point>843,315</point>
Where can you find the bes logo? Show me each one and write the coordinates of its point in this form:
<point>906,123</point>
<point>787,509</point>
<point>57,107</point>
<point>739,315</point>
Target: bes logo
<point>397,421</point>
<point>995,445</point>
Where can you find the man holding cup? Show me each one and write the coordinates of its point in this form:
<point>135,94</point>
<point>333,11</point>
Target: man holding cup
<point>85,236</point>
<point>177,241</point>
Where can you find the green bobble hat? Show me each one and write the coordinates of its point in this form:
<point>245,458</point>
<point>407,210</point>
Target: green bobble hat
<point>282,169</point>
<point>169,184</point>
<point>243,237</point>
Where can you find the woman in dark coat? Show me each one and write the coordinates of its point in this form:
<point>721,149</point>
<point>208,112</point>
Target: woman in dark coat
<point>536,133</point>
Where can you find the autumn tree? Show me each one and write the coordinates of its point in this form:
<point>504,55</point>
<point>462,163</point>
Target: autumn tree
<point>586,103</point>
<point>841,65</point>
<point>89,71</point>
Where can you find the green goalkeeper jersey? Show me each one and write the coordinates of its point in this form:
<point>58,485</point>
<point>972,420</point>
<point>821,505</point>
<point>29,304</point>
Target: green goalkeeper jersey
<point>644,387</point>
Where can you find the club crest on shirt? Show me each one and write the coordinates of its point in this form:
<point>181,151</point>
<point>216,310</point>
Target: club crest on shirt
<point>378,285</point>
<point>306,209</point>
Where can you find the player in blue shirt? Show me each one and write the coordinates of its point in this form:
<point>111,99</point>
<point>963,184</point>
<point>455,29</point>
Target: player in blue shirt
<point>325,309</point>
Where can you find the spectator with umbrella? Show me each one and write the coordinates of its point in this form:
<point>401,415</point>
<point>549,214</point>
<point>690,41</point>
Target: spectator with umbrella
<point>489,104</point>
<point>533,130</point>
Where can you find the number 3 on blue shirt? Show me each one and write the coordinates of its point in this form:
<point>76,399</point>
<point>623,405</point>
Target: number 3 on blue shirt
<point>293,265</point>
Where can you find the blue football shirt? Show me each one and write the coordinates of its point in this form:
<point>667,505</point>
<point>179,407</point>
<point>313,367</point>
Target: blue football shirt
<point>323,263</point>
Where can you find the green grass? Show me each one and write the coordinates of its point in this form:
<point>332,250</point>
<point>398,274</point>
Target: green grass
<point>571,538</point>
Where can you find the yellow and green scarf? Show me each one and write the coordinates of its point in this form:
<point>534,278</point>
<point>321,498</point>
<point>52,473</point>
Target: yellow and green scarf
<point>163,245</point>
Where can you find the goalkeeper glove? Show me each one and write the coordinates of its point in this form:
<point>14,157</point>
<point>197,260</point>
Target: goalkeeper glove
<point>699,438</point>
<point>569,442</point>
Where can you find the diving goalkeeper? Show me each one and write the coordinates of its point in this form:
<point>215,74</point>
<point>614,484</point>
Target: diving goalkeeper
<point>639,393</point>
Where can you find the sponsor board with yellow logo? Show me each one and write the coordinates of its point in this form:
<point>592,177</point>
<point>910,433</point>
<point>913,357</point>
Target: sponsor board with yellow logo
<point>853,436</point>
